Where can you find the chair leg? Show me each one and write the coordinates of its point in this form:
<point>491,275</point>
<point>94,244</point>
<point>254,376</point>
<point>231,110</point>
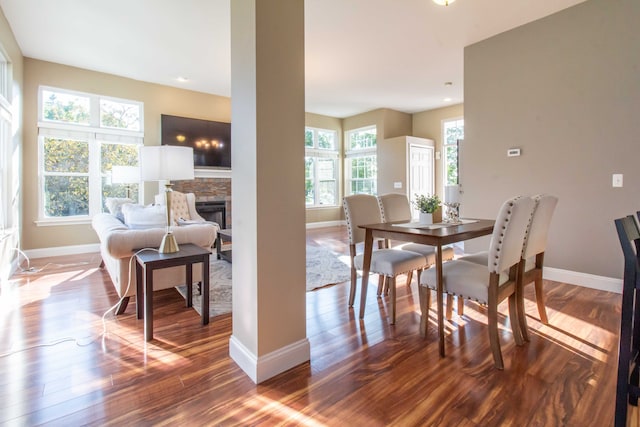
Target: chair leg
<point>409,278</point>
<point>494,339</point>
<point>449,306</point>
<point>380,285</point>
<point>392,285</point>
<point>424,295</point>
<point>516,322</point>
<point>540,301</point>
<point>460,305</point>
<point>122,306</point>
<point>352,291</point>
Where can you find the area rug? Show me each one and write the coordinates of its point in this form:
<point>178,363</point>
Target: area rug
<point>324,268</point>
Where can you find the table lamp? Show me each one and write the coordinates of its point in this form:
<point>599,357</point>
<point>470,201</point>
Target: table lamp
<point>166,163</point>
<point>126,175</point>
<point>452,202</point>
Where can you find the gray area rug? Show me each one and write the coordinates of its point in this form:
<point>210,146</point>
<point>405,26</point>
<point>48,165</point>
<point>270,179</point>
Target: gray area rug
<point>324,268</point>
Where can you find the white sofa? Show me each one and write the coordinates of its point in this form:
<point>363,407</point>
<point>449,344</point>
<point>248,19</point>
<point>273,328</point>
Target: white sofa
<point>118,242</point>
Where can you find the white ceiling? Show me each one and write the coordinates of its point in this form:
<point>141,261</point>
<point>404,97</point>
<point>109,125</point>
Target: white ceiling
<point>360,54</point>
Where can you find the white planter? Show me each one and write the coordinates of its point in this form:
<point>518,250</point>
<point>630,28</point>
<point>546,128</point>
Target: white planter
<point>425,218</point>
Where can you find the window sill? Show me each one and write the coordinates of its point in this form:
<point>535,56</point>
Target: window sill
<point>323,207</point>
<point>62,221</point>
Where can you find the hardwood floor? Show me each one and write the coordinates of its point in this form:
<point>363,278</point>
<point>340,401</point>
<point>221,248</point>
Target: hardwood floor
<point>57,369</point>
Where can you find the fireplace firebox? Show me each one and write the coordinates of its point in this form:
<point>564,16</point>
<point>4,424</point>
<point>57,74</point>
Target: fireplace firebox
<point>213,210</point>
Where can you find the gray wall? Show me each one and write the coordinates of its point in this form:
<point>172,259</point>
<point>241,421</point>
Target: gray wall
<point>566,90</point>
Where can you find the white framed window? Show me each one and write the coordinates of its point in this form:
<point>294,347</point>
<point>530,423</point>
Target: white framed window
<point>321,167</point>
<point>452,132</point>
<point>362,161</point>
<point>6,119</point>
<point>81,137</point>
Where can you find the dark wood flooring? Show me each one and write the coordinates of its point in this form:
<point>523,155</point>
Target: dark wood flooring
<point>56,367</point>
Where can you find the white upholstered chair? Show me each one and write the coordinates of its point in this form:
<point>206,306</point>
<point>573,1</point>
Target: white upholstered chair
<point>492,283</point>
<point>183,207</point>
<point>532,261</point>
<point>395,207</point>
<point>363,209</point>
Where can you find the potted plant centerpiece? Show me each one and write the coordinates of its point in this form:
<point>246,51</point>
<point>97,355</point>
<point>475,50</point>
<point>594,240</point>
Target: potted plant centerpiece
<point>427,205</point>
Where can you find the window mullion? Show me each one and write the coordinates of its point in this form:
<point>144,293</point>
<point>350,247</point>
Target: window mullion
<point>95,177</point>
<point>316,182</point>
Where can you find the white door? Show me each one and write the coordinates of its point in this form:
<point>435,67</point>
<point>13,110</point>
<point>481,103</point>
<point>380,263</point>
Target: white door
<point>421,172</point>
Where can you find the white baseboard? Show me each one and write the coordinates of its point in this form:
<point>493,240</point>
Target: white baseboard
<point>262,368</point>
<point>62,250</point>
<point>323,224</point>
<point>583,279</point>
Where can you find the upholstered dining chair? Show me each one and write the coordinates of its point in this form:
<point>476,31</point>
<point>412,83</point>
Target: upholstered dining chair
<point>363,209</point>
<point>473,281</point>
<point>532,260</point>
<point>396,207</point>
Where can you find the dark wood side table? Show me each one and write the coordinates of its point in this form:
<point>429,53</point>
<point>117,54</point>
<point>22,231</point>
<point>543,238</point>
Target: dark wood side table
<point>149,261</point>
<point>224,236</point>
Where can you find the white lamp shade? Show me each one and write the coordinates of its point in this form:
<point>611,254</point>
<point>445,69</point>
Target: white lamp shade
<point>125,174</point>
<point>452,194</point>
<point>166,163</point>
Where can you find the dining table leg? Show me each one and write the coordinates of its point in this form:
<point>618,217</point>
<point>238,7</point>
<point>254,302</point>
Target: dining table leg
<point>366,265</point>
<point>440,299</point>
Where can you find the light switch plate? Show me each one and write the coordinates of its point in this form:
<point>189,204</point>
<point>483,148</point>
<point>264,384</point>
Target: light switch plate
<point>617,180</point>
<point>397,184</point>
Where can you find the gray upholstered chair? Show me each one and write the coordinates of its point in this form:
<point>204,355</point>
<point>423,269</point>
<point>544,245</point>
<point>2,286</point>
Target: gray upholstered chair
<point>362,209</point>
<point>532,261</point>
<point>395,207</point>
<point>473,281</point>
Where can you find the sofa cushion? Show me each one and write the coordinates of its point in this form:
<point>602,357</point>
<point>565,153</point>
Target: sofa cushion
<point>114,205</point>
<point>138,217</point>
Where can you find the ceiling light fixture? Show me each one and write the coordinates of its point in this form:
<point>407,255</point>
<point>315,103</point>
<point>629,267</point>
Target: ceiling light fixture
<point>182,79</point>
<point>443,2</point>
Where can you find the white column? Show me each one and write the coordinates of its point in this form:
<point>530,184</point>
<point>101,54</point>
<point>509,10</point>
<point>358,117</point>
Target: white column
<point>267,98</point>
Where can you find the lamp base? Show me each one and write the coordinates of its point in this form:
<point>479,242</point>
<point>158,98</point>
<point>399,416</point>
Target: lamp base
<point>169,245</point>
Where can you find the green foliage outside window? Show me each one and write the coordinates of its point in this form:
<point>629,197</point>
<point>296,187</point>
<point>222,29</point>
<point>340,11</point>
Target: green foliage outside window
<point>454,131</point>
<point>308,138</point>
<point>66,196</point>
<point>117,155</point>
<point>309,191</point>
<point>321,167</point>
<point>119,115</point>
<point>362,139</point>
<point>67,168</point>
<point>62,107</point>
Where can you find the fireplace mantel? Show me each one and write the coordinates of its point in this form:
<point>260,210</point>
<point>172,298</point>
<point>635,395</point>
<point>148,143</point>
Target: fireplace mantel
<point>212,173</point>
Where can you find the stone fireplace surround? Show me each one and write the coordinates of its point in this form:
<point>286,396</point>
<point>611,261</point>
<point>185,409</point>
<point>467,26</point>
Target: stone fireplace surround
<point>209,190</point>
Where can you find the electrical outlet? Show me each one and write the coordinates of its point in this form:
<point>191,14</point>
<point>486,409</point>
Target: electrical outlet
<point>397,184</point>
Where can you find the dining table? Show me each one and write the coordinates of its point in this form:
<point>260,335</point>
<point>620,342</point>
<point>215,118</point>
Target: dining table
<point>436,235</point>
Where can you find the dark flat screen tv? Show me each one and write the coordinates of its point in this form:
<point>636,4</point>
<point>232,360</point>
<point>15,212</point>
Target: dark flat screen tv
<point>211,141</point>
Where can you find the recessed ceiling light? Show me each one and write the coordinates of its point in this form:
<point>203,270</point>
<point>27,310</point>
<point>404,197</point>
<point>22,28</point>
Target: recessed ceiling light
<point>443,2</point>
<point>182,79</point>
<point>447,99</point>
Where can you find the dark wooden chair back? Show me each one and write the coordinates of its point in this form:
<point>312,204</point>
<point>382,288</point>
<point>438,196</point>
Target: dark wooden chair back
<point>627,389</point>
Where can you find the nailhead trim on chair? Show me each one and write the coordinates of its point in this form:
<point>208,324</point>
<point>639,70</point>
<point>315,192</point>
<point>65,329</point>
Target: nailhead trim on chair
<point>347,218</point>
